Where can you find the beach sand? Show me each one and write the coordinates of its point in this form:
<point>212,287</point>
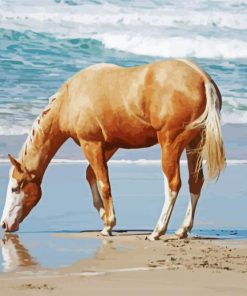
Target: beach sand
<point>127,262</point>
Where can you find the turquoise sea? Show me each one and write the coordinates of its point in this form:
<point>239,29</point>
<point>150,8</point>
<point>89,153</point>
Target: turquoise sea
<point>43,43</point>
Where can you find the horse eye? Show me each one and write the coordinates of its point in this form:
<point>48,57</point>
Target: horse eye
<point>15,189</point>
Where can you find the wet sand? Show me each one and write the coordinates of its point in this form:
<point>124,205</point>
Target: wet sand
<point>127,262</point>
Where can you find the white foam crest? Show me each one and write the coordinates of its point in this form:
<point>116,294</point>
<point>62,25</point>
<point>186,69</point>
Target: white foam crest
<point>234,110</point>
<point>175,47</point>
<point>117,14</point>
<point>136,30</point>
<point>238,117</point>
<point>80,20</point>
<point>94,16</point>
<point>12,130</point>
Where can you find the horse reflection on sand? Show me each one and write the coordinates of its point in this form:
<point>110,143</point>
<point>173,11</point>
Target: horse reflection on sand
<point>107,107</point>
<point>15,255</point>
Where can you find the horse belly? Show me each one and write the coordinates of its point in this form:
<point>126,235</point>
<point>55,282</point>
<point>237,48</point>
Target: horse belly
<point>133,137</point>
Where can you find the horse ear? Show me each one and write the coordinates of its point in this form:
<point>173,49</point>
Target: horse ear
<point>21,169</point>
<point>16,164</point>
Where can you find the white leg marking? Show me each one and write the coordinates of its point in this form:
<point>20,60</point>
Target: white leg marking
<point>189,217</point>
<point>101,184</point>
<point>101,212</point>
<point>106,231</point>
<point>99,206</point>
<point>170,198</point>
<point>110,221</point>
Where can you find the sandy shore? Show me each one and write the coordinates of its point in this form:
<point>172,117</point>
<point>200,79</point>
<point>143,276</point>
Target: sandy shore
<point>129,263</point>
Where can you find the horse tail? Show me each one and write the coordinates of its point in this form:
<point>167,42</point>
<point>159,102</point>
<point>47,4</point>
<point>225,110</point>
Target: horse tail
<point>212,146</point>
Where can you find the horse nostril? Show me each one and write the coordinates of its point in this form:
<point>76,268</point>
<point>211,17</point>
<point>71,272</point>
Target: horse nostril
<point>4,226</point>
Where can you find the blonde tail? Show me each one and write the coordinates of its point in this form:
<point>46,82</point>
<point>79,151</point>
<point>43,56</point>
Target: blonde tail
<point>212,147</point>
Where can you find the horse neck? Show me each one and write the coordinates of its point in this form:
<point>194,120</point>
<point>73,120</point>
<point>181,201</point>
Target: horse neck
<point>43,141</point>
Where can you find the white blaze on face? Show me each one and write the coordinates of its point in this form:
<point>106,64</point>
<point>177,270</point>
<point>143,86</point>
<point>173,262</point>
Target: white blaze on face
<point>13,205</point>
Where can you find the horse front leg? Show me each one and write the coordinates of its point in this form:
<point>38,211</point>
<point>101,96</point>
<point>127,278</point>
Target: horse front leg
<point>196,181</point>
<point>91,178</point>
<point>98,178</point>
<point>97,200</point>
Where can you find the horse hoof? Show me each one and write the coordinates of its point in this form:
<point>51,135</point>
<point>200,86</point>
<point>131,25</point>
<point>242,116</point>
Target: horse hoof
<point>106,232</point>
<point>181,234</point>
<point>152,237</point>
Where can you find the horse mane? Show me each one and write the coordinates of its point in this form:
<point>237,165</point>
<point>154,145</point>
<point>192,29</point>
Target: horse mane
<point>37,127</point>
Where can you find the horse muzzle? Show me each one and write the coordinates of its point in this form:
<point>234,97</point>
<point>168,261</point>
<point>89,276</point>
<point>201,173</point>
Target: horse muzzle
<point>9,228</point>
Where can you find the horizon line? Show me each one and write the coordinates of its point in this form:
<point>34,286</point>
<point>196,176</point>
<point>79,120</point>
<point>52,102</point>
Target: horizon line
<point>126,161</point>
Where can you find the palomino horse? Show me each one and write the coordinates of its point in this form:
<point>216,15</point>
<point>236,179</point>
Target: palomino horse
<point>106,107</point>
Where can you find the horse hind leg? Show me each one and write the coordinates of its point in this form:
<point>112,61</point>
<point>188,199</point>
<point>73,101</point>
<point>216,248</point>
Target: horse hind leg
<point>196,181</point>
<point>170,164</point>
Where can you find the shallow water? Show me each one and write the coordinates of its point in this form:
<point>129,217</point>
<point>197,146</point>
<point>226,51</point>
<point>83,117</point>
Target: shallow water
<point>138,195</point>
<point>45,251</point>
<point>36,251</point>
<point>66,206</point>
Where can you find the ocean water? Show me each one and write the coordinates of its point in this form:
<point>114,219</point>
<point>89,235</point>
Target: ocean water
<point>43,43</point>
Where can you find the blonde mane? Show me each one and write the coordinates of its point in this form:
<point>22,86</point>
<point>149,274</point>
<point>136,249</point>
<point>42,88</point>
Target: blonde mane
<point>37,128</point>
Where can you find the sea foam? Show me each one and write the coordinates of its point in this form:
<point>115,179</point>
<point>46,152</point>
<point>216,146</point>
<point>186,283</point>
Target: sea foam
<point>161,30</point>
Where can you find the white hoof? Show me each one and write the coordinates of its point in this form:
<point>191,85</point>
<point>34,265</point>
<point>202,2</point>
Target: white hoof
<point>153,237</point>
<point>181,233</point>
<point>106,231</point>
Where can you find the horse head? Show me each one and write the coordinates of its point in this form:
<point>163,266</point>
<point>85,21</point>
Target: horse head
<point>23,194</point>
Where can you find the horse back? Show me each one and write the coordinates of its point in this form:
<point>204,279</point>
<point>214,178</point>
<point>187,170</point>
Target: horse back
<point>127,106</point>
